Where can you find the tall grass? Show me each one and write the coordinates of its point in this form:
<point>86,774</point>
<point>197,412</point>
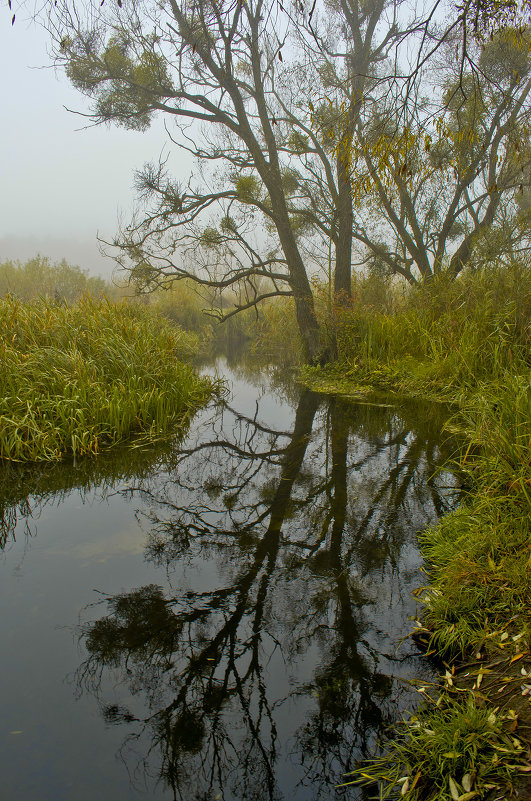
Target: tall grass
<point>75,380</point>
<point>480,556</point>
<point>467,342</point>
<point>440,339</point>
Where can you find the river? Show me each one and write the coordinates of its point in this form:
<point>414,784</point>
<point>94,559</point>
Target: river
<point>221,618</point>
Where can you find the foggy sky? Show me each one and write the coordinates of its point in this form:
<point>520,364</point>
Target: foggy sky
<point>59,184</point>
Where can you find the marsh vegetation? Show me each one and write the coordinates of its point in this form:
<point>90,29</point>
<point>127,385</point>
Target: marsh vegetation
<point>79,379</point>
<point>361,212</point>
<point>468,343</point>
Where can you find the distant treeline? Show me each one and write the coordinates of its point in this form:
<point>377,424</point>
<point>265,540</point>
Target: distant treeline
<point>40,277</point>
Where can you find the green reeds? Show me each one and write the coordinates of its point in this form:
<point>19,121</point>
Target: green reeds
<point>441,339</point>
<point>467,342</point>
<point>479,556</point>
<point>454,749</point>
<point>79,379</point>
<point>40,277</point>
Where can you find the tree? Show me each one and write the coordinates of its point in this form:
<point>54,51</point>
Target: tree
<point>313,134</point>
<point>239,81</point>
<point>442,163</point>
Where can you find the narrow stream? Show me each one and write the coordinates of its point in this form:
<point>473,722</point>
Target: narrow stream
<point>220,618</point>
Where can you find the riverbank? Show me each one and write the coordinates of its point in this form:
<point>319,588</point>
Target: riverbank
<point>78,379</point>
<point>466,343</point>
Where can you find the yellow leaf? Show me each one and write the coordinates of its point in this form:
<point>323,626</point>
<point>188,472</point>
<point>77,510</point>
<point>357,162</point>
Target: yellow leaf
<point>516,657</point>
<point>466,781</point>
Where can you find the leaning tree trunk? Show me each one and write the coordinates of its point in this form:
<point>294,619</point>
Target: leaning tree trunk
<point>302,291</point>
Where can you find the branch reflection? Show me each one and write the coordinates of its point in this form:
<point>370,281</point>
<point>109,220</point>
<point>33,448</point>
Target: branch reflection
<point>271,663</point>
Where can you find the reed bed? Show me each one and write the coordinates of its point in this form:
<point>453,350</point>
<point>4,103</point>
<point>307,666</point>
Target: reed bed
<point>466,342</point>
<point>440,340</point>
<point>75,380</point>
<point>41,277</point>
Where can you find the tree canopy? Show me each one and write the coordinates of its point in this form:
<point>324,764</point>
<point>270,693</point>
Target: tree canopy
<point>323,137</point>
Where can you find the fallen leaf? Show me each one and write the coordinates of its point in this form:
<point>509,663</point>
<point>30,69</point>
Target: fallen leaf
<point>515,658</point>
<point>454,789</point>
<point>466,781</point>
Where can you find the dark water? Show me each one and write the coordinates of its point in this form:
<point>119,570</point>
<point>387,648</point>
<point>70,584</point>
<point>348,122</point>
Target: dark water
<point>220,619</point>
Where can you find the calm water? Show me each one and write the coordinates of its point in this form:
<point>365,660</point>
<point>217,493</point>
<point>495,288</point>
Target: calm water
<point>219,619</point>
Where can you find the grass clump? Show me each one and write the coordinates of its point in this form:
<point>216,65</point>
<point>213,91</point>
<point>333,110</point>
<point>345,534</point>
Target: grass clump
<point>479,556</point>
<point>471,737</point>
<point>454,749</point>
<point>439,340</point>
<point>78,379</point>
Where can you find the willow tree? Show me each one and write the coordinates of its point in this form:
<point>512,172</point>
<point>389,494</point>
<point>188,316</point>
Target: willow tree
<point>238,84</point>
<point>441,167</point>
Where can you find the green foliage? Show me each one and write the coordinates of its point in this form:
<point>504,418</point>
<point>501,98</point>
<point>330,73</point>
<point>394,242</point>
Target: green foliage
<point>228,225</point>
<point>505,56</point>
<point>486,17</point>
<point>467,342</point>
<point>329,120</point>
<point>39,277</point>
<point>125,85</point>
<point>290,181</point>
<point>247,188</point>
<point>76,380</point>
<point>211,238</point>
<point>480,556</point>
<point>181,303</point>
<point>456,749</point>
<point>298,143</point>
<point>439,339</point>
<point>275,334</point>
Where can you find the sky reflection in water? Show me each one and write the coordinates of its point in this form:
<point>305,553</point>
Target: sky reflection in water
<point>252,584</point>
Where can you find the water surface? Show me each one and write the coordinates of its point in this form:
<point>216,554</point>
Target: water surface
<point>219,618</point>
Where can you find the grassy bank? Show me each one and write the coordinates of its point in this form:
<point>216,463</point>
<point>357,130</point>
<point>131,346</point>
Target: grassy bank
<point>78,379</point>
<point>467,343</point>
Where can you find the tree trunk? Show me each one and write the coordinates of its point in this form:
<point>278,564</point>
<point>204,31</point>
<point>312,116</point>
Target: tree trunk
<point>342,274</point>
<point>305,310</point>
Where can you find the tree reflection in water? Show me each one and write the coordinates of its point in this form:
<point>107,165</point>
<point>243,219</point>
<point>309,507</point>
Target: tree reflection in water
<point>268,681</point>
